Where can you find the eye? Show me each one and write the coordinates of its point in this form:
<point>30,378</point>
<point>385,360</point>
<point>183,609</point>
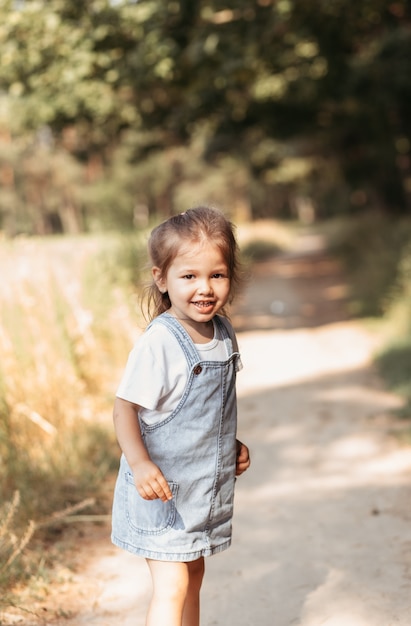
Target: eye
<point>218,275</point>
<point>188,276</point>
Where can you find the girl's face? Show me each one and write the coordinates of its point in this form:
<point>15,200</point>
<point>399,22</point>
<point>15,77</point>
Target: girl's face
<point>197,282</point>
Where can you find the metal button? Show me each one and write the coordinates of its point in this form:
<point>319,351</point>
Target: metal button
<point>197,370</point>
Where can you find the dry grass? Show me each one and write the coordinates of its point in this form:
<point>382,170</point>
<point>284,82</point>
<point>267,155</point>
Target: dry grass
<point>67,320</point>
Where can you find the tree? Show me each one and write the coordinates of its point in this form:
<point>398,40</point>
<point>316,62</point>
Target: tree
<point>269,82</point>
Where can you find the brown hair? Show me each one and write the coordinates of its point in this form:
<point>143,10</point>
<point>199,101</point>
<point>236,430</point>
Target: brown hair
<point>194,225</point>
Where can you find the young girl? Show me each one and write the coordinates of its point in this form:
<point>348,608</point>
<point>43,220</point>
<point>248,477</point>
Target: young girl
<point>175,415</point>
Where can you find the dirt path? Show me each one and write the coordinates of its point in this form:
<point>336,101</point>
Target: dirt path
<point>322,530</point>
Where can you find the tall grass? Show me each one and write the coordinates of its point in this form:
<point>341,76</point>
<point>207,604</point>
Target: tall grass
<point>376,252</point>
<point>394,361</point>
<point>67,319</point>
<point>371,247</point>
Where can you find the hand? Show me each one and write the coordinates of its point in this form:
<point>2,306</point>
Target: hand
<point>150,482</point>
<point>243,458</point>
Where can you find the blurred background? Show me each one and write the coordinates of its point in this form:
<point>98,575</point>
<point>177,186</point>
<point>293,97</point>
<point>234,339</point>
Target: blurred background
<point>293,117</point>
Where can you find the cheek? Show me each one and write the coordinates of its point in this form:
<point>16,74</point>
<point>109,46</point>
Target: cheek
<point>225,289</point>
<point>178,288</point>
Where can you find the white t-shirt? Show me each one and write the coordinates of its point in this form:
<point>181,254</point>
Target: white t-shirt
<point>156,372</point>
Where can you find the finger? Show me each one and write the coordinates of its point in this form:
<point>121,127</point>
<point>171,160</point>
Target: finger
<point>244,455</point>
<point>147,493</point>
<point>242,466</point>
<point>163,490</point>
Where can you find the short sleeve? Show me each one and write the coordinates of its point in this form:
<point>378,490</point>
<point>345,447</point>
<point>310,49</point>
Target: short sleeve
<point>141,382</point>
<point>156,371</point>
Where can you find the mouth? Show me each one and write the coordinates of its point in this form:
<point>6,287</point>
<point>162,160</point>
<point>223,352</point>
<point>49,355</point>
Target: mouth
<point>203,304</point>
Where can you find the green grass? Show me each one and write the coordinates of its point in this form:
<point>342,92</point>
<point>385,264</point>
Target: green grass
<point>394,364</point>
<point>376,253</point>
<point>371,248</point>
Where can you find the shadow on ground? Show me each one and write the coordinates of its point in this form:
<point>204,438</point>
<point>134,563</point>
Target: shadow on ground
<point>321,533</point>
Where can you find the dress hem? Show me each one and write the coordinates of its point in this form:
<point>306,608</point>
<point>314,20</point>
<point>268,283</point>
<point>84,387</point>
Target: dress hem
<point>171,556</point>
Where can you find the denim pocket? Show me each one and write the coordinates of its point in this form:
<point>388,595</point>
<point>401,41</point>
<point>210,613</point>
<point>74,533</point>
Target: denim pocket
<point>149,517</point>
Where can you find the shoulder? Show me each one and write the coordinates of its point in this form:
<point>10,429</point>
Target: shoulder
<point>155,343</point>
<point>156,338</point>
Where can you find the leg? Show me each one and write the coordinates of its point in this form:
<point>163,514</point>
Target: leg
<point>170,587</point>
<point>191,615</point>
<point>176,593</point>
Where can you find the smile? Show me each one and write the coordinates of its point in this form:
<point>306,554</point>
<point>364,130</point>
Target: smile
<point>203,304</point>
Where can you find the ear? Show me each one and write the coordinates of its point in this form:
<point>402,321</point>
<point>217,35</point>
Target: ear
<point>158,279</point>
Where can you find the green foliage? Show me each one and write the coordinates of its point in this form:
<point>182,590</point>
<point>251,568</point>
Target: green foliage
<point>62,63</point>
<point>310,99</point>
<point>376,252</point>
<point>371,248</point>
<point>399,309</point>
<point>120,261</point>
<point>43,193</point>
<point>394,361</point>
<point>394,364</point>
<point>260,250</point>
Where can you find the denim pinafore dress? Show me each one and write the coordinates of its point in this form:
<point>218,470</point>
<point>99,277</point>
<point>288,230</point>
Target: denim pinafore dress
<point>195,448</point>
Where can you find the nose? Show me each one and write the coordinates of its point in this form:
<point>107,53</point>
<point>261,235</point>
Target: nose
<point>204,286</point>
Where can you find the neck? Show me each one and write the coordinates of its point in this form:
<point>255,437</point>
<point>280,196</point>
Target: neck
<point>200,332</point>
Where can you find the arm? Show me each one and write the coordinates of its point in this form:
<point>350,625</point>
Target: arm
<point>243,458</point>
<point>148,478</point>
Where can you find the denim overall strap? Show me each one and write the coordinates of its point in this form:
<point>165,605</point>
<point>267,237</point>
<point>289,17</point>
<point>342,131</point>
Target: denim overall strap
<point>182,336</point>
<point>185,341</point>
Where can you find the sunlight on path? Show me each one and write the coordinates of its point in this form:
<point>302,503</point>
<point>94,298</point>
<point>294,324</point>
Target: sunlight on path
<point>282,357</point>
<point>121,588</point>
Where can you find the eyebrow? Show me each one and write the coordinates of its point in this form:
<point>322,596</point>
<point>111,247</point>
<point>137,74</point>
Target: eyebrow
<point>217,268</point>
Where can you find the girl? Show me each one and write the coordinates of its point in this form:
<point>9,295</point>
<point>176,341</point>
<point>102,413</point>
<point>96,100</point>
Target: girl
<point>175,415</point>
